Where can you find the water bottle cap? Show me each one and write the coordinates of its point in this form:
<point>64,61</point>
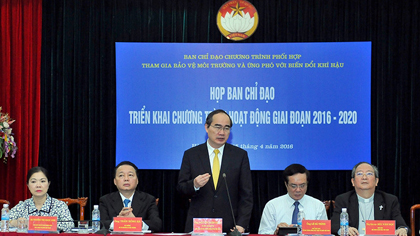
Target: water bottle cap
<point>343,209</point>
<point>5,205</point>
<point>95,207</point>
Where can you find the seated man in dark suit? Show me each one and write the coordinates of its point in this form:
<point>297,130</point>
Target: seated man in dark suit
<point>127,202</point>
<point>366,203</point>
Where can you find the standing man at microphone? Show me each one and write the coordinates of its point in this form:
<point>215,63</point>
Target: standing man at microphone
<point>201,177</point>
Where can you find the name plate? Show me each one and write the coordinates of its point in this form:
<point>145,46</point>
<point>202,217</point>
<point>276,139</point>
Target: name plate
<point>322,227</point>
<point>128,224</point>
<point>380,227</point>
<point>208,225</point>
<point>42,223</point>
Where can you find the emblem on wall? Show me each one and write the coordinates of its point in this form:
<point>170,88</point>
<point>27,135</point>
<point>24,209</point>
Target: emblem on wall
<point>237,19</point>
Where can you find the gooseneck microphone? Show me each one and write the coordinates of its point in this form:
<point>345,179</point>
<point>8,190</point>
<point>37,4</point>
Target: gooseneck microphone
<point>235,232</point>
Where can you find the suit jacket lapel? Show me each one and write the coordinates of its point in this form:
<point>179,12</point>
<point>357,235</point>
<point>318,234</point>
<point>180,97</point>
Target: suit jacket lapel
<point>117,202</point>
<point>136,204</point>
<point>354,211</point>
<point>379,205</point>
<point>225,161</point>
<point>204,158</point>
<point>205,162</point>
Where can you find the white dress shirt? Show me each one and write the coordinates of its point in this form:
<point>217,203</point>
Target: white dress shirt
<point>280,209</point>
<point>366,212</point>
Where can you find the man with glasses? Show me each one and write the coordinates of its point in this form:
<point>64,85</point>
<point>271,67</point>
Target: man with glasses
<point>282,211</point>
<point>201,178</point>
<point>366,203</point>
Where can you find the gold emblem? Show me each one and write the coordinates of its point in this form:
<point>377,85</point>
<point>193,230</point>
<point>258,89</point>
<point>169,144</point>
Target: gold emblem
<point>237,19</point>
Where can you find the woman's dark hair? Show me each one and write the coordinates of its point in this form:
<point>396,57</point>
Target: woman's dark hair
<point>37,169</point>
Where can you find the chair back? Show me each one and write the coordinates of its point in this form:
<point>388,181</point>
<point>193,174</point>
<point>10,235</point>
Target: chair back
<point>327,204</point>
<point>3,201</point>
<point>81,201</point>
<point>328,208</point>
<point>413,218</point>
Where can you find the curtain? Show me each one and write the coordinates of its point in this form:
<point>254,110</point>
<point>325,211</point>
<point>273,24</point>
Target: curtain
<point>77,142</point>
<point>20,70</point>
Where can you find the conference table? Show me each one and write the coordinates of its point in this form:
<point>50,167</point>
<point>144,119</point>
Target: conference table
<point>91,234</point>
<point>147,234</point>
<point>77,234</point>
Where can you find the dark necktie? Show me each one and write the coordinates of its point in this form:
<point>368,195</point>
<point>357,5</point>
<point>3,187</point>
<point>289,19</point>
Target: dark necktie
<point>126,201</point>
<point>295,213</point>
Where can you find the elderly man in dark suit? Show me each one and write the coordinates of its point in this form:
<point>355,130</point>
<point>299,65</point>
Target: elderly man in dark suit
<point>366,203</point>
<point>201,177</point>
<point>127,202</point>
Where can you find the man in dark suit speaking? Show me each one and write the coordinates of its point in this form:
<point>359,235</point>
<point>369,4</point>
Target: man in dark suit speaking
<point>201,177</point>
<point>127,202</point>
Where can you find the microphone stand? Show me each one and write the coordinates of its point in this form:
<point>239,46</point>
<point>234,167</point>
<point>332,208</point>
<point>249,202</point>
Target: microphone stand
<point>235,232</point>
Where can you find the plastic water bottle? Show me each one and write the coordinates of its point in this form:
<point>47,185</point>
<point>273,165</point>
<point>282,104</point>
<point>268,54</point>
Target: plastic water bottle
<point>5,217</point>
<point>344,222</point>
<point>300,217</point>
<point>96,219</point>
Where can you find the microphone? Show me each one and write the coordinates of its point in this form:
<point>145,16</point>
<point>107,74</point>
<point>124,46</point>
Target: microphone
<point>235,232</point>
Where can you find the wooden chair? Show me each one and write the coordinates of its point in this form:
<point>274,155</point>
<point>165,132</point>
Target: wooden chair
<point>81,201</point>
<point>2,201</point>
<point>413,218</point>
<point>328,204</point>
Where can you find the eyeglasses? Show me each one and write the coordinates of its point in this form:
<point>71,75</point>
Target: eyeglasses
<point>368,174</point>
<point>219,128</point>
<point>295,186</point>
